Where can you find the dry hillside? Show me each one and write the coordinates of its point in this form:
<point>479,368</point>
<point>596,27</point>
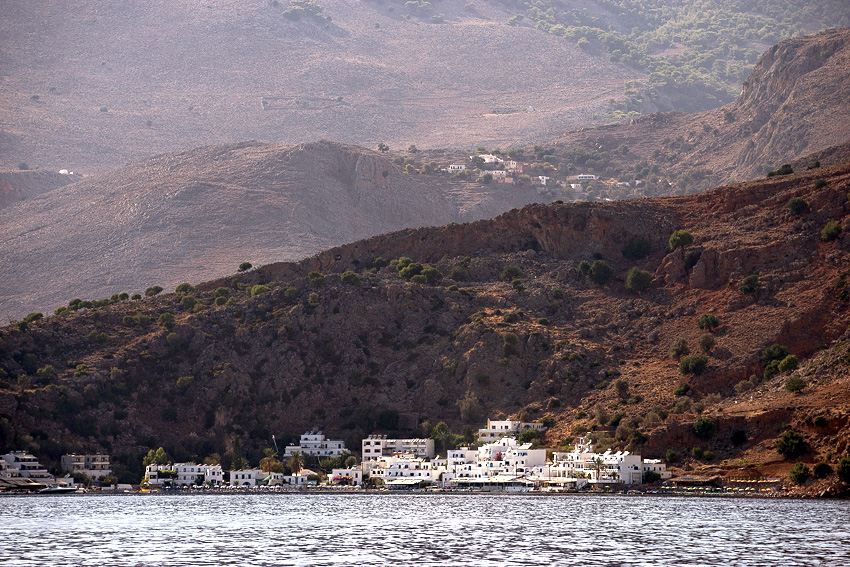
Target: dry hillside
<point>512,326</point>
<point>91,87</point>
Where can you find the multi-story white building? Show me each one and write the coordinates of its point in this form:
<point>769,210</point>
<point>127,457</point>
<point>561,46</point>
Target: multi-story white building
<point>404,470</point>
<point>503,458</point>
<point>94,466</point>
<point>376,446</point>
<point>497,429</point>
<point>20,464</point>
<point>315,444</point>
<point>583,462</point>
<point>184,474</point>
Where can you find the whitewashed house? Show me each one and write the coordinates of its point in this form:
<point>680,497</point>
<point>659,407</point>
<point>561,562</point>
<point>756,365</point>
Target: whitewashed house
<point>583,462</point>
<point>20,464</point>
<point>315,444</point>
<point>376,446</point>
<point>656,465</point>
<point>352,476</point>
<point>497,429</point>
<point>457,167</point>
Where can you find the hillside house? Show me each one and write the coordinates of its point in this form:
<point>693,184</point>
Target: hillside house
<point>376,446</point>
<point>315,444</point>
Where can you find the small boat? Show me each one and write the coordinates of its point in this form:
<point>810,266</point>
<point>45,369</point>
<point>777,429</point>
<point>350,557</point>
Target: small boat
<point>58,490</point>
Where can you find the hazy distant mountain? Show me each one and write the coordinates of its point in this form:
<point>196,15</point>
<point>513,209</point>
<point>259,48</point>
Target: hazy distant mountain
<point>92,86</point>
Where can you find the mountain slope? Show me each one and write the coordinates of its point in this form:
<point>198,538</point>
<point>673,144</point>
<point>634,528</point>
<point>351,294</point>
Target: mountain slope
<point>200,213</point>
<point>291,350</point>
<point>111,84</point>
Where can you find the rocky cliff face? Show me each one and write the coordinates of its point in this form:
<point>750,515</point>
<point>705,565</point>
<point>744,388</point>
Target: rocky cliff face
<point>302,351</point>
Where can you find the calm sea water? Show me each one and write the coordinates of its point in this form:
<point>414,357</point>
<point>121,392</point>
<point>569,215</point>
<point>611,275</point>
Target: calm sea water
<point>440,529</point>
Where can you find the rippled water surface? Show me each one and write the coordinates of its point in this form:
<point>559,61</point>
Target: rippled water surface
<point>440,529</point>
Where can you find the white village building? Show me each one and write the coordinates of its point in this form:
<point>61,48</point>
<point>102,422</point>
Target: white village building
<point>376,446</point>
<point>497,429</point>
<point>314,444</point>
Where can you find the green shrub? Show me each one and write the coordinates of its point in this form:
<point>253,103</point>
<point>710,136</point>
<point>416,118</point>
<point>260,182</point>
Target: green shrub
<point>245,266</point>
<point>842,471</point>
<point>670,456</point>
<point>694,364</point>
<point>184,288</point>
<point>153,290</point>
<point>820,421</point>
<point>704,428</point>
<point>790,444</point>
<point>750,285</point>
<point>458,274</point>
<point>517,285</point>
<point>636,248</point>
<point>188,302</point>
<point>638,280</point>
<point>708,322</point>
<point>774,352</point>
<point>543,321</point>
<point>259,289</point>
<point>221,292</point>
<point>697,453</point>
<point>431,273</point>
<point>600,272</point>
<point>509,343</point>
<point>706,342</point>
<point>679,348</point>
<point>529,435</point>
<point>349,277</point>
<point>557,293</point>
<point>820,183</point>
<point>510,273</point>
<point>221,300</point>
<point>794,383</point>
<point>682,389</point>
<point>184,382</point>
<point>419,279</point>
<point>822,470</point>
<point>291,292</point>
<point>136,296</point>
<point>785,169</point>
<point>799,473</point>
<point>788,363</point>
<point>167,320</point>
<point>584,268</point>
<point>798,206</point>
<point>830,232</point>
<point>680,239</point>
<point>316,278</point>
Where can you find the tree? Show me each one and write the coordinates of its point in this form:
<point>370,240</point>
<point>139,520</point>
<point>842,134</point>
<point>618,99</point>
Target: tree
<point>798,206</point>
<point>349,277</point>
<point>794,384</point>
<point>706,342</point>
<point>153,290</point>
<point>316,278</point>
<point>831,231</point>
<point>679,348</point>
<point>158,457</point>
<point>510,273</point>
<point>184,288</point>
<point>785,169</point>
<point>600,272</point>
<point>842,471</point>
<point>259,289</point>
<point>296,462</point>
<point>750,285</point>
<point>680,239</point>
<point>638,280</point>
<point>790,444</point>
<point>245,266</point>
<point>799,473</point>
<point>708,322</point>
<point>637,247</point>
<point>622,387</point>
<point>383,148</point>
<point>704,428</point>
<point>650,477</point>
<point>237,460</point>
<point>167,320</point>
<point>694,364</point>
